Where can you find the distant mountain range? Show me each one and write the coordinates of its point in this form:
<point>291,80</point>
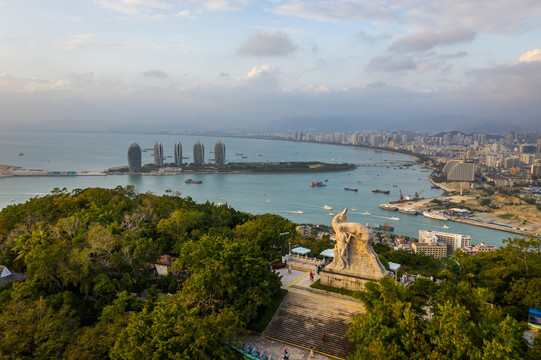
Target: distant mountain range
<point>429,124</point>
<point>298,123</point>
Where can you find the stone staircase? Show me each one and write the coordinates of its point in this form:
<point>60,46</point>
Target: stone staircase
<point>301,319</point>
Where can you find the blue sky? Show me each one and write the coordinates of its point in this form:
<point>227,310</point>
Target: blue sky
<point>105,63</point>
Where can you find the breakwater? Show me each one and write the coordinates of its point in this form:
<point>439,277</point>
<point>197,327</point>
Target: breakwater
<point>494,226</point>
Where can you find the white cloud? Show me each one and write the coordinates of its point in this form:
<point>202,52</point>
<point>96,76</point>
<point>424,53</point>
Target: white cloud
<point>265,44</point>
<point>145,7</point>
<point>391,63</point>
<point>492,16</point>
<point>89,41</point>
<point>221,5</point>
<point>519,82</point>
<point>184,13</point>
<point>429,39</point>
<point>338,11</point>
<point>530,56</point>
<point>20,85</point>
<point>260,77</point>
<point>133,7</point>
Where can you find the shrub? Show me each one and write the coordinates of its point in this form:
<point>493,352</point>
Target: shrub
<point>485,201</point>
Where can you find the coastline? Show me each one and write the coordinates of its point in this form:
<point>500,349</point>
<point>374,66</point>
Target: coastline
<point>515,228</point>
<point>493,226</point>
<point>233,168</point>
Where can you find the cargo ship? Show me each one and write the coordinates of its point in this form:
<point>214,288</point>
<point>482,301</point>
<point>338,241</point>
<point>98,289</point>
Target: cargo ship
<point>317,184</point>
<point>190,181</point>
<point>384,227</point>
<point>350,189</point>
<point>387,192</point>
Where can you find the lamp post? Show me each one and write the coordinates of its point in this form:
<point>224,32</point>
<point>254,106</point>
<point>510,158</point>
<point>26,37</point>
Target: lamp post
<point>283,235</point>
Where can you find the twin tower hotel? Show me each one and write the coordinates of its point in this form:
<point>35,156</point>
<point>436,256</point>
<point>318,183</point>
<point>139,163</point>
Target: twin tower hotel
<point>134,155</point>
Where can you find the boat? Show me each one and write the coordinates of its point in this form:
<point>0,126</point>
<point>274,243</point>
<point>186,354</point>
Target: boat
<point>384,227</point>
<point>434,187</point>
<point>445,227</point>
<point>21,154</point>
<point>331,213</point>
<point>388,207</point>
<point>317,184</point>
<point>395,218</point>
<point>394,185</point>
<point>359,181</point>
<point>267,201</point>
<point>298,212</point>
<point>410,211</point>
<point>327,207</point>
<point>350,189</point>
<point>366,213</point>
<point>190,181</point>
<point>435,215</point>
<point>381,191</point>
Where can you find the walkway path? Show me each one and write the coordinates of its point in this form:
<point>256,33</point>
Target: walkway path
<point>304,315</point>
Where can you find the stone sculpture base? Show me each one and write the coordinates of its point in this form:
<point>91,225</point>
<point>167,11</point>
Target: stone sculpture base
<point>345,281</point>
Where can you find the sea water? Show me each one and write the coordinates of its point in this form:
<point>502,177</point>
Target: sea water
<point>288,195</point>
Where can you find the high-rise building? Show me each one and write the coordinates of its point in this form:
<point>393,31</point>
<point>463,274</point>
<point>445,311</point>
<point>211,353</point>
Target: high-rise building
<point>528,148</point>
<point>158,154</point>
<point>178,154</point>
<point>536,170</point>
<point>219,153</point>
<point>453,241</point>
<point>511,162</point>
<point>527,159</point>
<point>199,153</point>
<point>134,158</point>
<point>435,249</point>
<point>459,171</point>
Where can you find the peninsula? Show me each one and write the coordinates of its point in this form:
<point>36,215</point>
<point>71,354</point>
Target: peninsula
<point>236,168</point>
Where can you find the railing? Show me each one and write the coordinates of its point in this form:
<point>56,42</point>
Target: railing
<point>305,259</point>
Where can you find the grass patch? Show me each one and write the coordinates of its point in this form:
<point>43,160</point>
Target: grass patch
<point>265,314</point>
<point>507,216</point>
<point>317,285</point>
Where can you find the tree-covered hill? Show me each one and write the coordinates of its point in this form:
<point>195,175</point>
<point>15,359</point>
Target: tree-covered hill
<point>477,311</point>
<point>88,256</point>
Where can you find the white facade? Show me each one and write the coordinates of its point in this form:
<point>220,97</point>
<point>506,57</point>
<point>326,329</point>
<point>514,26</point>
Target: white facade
<point>453,241</point>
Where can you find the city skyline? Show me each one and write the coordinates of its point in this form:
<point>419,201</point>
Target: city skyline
<point>113,64</point>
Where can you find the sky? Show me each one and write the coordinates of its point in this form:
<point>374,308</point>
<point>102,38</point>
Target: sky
<point>242,64</point>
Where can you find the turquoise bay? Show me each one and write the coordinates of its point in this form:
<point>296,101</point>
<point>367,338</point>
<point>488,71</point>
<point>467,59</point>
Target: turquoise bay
<point>288,195</point>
